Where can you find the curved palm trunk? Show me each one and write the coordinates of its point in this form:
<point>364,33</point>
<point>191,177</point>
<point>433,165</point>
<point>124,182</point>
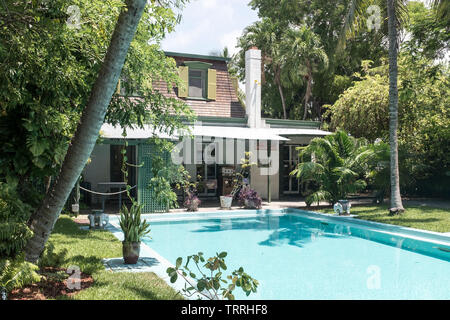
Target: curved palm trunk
<point>82,144</point>
<point>396,200</point>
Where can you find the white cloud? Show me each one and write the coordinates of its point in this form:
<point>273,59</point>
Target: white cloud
<point>209,25</point>
<point>229,40</point>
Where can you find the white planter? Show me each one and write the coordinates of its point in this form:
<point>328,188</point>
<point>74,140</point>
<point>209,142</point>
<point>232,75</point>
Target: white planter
<point>75,208</point>
<point>225,202</point>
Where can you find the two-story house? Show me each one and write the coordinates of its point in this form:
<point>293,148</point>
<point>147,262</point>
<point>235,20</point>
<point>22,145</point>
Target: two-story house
<point>224,131</point>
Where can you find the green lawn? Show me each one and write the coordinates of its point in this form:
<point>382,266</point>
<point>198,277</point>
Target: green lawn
<point>423,217</point>
<point>86,249</point>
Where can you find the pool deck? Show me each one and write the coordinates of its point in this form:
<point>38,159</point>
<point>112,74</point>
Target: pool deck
<point>214,205</point>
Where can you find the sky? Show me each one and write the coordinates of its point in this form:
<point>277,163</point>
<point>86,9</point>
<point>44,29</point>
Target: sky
<point>210,25</point>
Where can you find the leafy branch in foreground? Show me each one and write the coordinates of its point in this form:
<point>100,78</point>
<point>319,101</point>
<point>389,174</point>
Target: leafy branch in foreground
<point>209,283</point>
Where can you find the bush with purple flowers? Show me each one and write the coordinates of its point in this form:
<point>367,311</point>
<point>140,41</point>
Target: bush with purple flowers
<point>249,198</point>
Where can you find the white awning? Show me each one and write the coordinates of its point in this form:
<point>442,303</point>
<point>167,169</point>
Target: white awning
<point>110,132</point>
<point>238,133</point>
<point>300,132</point>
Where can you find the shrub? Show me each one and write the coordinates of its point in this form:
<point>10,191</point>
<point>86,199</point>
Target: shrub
<point>249,198</point>
<point>14,213</point>
<point>16,273</point>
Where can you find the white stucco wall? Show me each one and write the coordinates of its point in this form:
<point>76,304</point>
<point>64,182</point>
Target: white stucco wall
<point>259,183</point>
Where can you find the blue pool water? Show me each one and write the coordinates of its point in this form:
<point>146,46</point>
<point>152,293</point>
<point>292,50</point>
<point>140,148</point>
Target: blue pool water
<point>294,257</point>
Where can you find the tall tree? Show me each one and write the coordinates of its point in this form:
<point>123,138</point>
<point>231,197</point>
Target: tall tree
<point>356,18</point>
<point>83,141</point>
<point>267,36</point>
<point>325,21</point>
<point>304,55</point>
<point>396,199</point>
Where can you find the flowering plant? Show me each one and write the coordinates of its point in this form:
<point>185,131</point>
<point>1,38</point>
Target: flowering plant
<point>249,198</point>
<point>192,202</point>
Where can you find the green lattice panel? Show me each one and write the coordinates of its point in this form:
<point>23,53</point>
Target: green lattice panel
<point>145,194</point>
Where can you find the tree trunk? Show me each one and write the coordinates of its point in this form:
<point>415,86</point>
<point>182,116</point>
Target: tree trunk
<point>308,90</point>
<point>83,142</point>
<point>396,200</point>
<point>280,89</point>
<point>283,103</point>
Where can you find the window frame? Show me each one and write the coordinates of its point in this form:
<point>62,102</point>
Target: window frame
<point>198,66</point>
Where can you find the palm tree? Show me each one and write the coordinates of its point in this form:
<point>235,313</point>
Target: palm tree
<point>82,144</point>
<point>396,15</point>
<point>266,35</point>
<point>442,9</point>
<point>337,164</point>
<point>304,55</point>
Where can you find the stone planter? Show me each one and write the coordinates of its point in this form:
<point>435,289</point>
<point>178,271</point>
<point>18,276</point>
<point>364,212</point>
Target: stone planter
<point>75,208</point>
<point>131,252</point>
<point>225,202</point>
<point>342,207</point>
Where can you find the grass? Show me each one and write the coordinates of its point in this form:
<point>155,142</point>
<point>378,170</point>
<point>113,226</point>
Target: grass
<point>418,217</point>
<point>86,249</point>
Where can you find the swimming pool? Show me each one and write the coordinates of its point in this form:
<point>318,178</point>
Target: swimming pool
<point>300,255</point>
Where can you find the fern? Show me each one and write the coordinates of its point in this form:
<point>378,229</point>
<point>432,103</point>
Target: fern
<point>17,273</point>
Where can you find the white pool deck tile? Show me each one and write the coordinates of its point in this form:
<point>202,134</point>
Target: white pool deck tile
<point>144,264</point>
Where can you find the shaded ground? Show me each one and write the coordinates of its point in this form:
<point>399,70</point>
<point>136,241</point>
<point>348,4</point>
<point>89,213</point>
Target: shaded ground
<point>54,284</point>
<point>86,250</point>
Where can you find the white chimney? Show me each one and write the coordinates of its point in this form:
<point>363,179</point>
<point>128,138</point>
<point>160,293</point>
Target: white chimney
<point>253,87</point>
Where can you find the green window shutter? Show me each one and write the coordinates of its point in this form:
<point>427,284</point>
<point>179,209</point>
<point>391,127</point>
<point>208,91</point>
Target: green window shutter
<point>184,75</point>
<point>212,84</point>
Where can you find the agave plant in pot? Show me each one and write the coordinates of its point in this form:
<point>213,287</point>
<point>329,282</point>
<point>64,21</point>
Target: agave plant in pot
<point>133,231</point>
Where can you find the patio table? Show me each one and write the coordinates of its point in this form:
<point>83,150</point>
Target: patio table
<point>121,185</point>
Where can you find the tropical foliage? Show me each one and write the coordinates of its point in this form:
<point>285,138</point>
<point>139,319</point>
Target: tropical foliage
<point>337,163</point>
<point>321,22</point>
<point>210,283</point>
<point>17,273</point>
<point>424,138</point>
<point>133,227</point>
<point>14,232</point>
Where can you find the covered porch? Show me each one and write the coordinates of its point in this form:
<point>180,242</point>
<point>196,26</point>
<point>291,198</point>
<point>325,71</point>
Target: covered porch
<point>211,155</point>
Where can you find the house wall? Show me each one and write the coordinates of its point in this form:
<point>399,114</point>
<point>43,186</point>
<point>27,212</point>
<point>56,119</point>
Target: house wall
<point>259,183</point>
<point>98,169</point>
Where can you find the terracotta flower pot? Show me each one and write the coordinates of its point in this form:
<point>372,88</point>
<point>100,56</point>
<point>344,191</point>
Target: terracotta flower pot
<point>131,252</point>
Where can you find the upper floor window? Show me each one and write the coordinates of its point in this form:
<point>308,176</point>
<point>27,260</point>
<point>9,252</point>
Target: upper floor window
<point>200,81</point>
<point>197,81</point>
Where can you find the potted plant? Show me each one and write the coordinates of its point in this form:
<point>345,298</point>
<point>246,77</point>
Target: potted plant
<point>226,201</point>
<point>240,180</point>
<point>133,231</point>
<point>192,202</point>
<point>249,198</point>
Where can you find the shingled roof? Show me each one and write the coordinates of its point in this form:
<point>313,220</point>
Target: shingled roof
<point>226,105</point>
